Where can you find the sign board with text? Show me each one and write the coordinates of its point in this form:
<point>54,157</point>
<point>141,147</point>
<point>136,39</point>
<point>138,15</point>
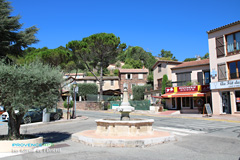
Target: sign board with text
<point>225,84</point>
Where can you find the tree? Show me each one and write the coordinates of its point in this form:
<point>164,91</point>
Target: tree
<point>87,88</point>
<point>12,40</point>
<point>206,56</point>
<point>97,50</point>
<point>166,55</point>
<point>138,92</point>
<point>27,86</point>
<point>137,55</point>
<point>165,83</point>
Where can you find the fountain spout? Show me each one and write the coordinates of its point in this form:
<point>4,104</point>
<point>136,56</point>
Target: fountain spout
<point>125,108</point>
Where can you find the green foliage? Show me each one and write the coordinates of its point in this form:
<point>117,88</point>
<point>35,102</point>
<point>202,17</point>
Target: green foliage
<point>137,57</point>
<point>65,104</point>
<point>166,55</point>
<point>87,88</point>
<point>118,64</point>
<point>134,63</point>
<point>165,83</point>
<point>97,50</point>
<point>150,77</point>
<point>189,59</point>
<point>90,74</point>
<point>127,66</point>
<point>116,72</point>
<point>206,56</point>
<point>27,86</point>
<point>138,92</point>
<point>13,38</point>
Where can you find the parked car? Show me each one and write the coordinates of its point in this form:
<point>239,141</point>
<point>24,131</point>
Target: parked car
<point>34,115</point>
<point>1,110</point>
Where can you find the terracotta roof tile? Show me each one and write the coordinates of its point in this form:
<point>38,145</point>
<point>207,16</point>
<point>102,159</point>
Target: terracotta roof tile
<point>192,63</point>
<point>159,61</point>
<point>225,26</point>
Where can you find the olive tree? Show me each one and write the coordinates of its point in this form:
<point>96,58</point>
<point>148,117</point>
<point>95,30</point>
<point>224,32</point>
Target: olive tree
<point>25,87</point>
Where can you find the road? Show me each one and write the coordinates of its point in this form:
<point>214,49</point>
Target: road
<point>197,140</point>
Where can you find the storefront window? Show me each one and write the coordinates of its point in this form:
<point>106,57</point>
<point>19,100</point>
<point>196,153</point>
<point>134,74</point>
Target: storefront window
<point>173,102</point>
<point>237,94</point>
<point>186,101</point>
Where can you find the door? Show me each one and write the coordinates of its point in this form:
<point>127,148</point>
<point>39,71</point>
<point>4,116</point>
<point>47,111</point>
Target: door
<point>226,108</point>
<point>179,103</point>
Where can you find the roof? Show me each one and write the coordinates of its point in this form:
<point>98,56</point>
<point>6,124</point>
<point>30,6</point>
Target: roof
<point>104,78</point>
<point>166,61</point>
<point>225,26</point>
<point>73,74</point>
<point>192,63</point>
<point>133,70</point>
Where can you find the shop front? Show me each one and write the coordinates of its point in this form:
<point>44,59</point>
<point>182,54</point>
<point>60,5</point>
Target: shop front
<point>188,99</point>
<point>226,97</point>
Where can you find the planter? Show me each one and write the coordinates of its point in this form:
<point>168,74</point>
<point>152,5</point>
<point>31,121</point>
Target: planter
<point>20,145</point>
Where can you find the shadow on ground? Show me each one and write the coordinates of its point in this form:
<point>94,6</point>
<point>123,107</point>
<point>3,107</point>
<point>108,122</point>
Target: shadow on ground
<point>54,137</point>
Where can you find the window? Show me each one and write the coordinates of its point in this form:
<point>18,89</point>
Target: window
<point>112,83</point>
<point>159,81</point>
<point>222,72</point>
<point>183,78</point>
<point>85,81</point>
<point>103,82</point>
<point>140,76</point>
<point>159,67</point>
<point>234,70</point>
<point>141,84</point>
<point>125,85</point>
<point>128,76</point>
<point>233,43</point>
<point>207,79</point>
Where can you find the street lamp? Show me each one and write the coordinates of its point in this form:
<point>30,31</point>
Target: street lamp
<point>74,108</point>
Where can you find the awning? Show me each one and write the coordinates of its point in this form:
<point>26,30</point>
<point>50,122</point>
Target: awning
<point>183,94</point>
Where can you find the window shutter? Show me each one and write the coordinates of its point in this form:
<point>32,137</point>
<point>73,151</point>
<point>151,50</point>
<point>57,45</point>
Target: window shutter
<point>200,77</point>
<point>130,76</point>
<point>126,76</point>
<point>222,72</point>
<point>220,47</point>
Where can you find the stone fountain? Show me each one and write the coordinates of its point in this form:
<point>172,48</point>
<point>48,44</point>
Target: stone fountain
<point>123,132</point>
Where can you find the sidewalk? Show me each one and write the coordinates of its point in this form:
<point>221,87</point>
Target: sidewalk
<point>177,114</point>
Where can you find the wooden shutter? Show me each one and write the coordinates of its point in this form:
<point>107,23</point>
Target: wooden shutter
<point>220,47</point>
<point>200,77</point>
<point>222,72</point>
<point>130,76</point>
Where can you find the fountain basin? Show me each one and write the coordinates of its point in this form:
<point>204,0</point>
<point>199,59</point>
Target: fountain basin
<point>133,127</point>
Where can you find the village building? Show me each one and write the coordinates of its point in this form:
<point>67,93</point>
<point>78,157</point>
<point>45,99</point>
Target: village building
<point>224,52</point>
<point>132,77</point>
<point>190,87</point>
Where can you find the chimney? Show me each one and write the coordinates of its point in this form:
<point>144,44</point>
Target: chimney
<point>198,58</point>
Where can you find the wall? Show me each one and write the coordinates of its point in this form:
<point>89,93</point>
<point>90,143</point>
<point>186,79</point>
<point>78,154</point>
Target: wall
<point>212,49</point>
<point>83,105</point>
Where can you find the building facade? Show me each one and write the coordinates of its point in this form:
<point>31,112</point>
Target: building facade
<point>132,77</point>
<point>190,87</point>
<point>224,52</point>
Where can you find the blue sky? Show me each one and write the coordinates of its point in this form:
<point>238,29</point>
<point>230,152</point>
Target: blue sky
<point>178,26</point>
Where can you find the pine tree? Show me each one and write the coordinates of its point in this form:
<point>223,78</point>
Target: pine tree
<point>13,41</point>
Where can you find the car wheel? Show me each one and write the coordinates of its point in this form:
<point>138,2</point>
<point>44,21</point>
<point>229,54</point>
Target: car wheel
<point>56,116</point>
<point>27,120</point>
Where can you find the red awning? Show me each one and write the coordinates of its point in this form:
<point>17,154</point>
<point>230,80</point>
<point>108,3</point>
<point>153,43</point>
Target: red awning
<point>183,94</point>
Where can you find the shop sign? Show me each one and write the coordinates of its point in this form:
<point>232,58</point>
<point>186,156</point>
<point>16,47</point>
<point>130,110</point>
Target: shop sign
<point>187,88</point>
<point>238,99</point>
<point>225,84</point>
<point>169,89</point>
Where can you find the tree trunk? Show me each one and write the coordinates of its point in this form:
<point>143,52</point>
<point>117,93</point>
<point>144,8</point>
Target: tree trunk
<point>101,83</point>
<point>14,123</point>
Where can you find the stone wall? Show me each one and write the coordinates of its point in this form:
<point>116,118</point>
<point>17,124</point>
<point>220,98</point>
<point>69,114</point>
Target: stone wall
<point>84,105</point>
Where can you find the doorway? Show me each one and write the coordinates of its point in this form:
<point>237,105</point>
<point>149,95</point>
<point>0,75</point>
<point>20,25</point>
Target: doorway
<point>179,103</point>
<point>226,108</point>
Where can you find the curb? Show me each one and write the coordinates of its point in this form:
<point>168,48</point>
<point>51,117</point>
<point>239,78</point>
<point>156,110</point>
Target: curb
<point>54,122</point>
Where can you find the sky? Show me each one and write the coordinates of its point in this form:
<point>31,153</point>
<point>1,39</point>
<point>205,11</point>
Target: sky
<point>178,26</point>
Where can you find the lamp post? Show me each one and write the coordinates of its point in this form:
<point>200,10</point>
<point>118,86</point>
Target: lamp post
<point>74,108</point>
